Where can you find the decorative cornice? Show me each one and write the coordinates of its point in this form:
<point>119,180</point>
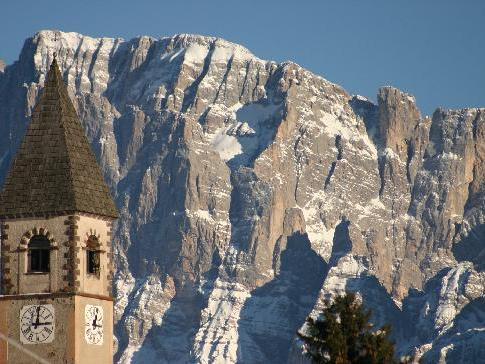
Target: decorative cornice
<point>40,296</point>
<point>48,215</point>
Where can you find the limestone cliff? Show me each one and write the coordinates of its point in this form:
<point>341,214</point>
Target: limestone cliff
<point>250,191</point>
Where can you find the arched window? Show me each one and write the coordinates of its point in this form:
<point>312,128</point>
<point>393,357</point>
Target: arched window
<point>39,254</point>
<point>92,255</point>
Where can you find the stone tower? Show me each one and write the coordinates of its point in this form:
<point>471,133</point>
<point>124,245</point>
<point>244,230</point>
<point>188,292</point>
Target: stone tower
<point>56,215</point>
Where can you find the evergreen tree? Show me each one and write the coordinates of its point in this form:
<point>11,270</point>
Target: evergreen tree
<point>342,334</point>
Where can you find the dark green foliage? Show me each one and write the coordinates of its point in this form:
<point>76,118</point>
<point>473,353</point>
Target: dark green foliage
<point>343,335</point>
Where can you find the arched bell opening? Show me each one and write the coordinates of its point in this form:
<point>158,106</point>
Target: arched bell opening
<point>38,253</point>
<point>93,261</point>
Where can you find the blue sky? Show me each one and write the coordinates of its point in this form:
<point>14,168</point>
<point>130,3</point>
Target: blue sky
<point>433,49</point>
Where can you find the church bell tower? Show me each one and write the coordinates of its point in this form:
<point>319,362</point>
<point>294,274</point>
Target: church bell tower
<point>56,216</point>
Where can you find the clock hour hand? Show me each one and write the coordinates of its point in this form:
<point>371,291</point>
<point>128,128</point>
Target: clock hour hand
<point>94,321</point>
<point>44,323</point>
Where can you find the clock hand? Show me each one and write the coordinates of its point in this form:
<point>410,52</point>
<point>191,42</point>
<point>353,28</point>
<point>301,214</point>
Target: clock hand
<point>36,323</point>
<point>95,319</point>
<point>94,322</point>
<point>44,323</point>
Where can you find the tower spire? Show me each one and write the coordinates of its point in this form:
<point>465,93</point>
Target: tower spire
<point>55,170</point>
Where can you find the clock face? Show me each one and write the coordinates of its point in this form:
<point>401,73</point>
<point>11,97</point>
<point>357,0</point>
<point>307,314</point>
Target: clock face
<point>93,321</point>
<point>37,324</point>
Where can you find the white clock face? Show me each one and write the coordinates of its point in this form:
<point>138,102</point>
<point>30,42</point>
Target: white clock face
<point>37,324</point>
<point>93,321</point>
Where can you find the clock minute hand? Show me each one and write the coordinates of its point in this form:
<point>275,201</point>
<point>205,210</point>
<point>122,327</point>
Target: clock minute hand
<point>36,323</point>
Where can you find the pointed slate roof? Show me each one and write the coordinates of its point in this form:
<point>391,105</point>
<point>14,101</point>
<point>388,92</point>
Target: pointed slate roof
<point>55,171</point>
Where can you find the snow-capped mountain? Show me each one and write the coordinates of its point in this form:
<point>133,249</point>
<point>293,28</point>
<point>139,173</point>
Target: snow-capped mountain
<point>251,191</point>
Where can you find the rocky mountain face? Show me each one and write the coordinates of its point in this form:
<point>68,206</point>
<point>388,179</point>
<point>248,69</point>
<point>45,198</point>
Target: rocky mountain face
<point>251,191</point>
